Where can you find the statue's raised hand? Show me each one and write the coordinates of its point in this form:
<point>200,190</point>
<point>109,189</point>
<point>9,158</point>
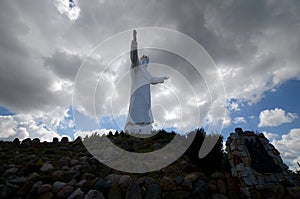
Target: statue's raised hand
<point>134,35</point>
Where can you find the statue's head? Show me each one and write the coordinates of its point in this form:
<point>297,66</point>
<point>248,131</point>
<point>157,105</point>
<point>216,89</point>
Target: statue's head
<point>144,60</point>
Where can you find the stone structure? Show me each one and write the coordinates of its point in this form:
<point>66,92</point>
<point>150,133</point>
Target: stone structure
<point>255,161</point>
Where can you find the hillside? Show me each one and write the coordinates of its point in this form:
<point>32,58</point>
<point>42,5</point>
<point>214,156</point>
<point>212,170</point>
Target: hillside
<point>63,169</point>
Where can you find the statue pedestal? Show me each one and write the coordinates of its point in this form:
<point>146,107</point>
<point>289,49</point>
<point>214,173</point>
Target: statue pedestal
<point>138,129</point>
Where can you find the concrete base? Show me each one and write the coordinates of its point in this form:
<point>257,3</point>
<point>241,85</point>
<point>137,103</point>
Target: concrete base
<point>138,129</point>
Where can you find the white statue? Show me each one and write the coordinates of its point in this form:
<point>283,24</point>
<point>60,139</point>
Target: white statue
<point>140,119</point>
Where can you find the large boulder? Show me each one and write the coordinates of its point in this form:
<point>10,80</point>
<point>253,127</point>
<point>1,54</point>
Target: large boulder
<point>153,192</point>
<point>200,188</point>
<point>167,184</point>
<point>115,192</point>
<point>133,191</point>
<point>47,167</point>
<point>94,194</point>
<point>77,194</point>
<point>102,186</point>
<point>125,181</point>
<point>65,191</point>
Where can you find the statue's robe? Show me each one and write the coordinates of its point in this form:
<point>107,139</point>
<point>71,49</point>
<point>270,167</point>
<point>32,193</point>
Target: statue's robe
<point>140,118</point>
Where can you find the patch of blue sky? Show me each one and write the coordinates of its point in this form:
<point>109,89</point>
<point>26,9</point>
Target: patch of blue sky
<point>83,122</point>
<point>110,122</point>
<point>5,111</point>
<point>286,97</point>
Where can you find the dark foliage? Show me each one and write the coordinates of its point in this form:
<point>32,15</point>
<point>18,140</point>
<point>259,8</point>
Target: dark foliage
<point>213,160</point>
<point>110,134</point>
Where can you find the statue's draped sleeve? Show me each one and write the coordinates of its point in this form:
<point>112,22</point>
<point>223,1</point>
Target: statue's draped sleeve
<point>134,54</point>
<point>156,80</point>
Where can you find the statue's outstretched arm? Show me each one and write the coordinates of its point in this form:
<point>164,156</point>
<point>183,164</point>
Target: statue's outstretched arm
<point>157,80</point>
<point>133,51</point>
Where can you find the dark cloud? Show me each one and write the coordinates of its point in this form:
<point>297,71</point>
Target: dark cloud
<point>63,64</point>
<point>25,37</point>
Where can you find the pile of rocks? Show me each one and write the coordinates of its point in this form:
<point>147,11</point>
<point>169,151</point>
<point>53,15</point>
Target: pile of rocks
<point>63,169</point>
<point>113,186</point>
<point>32,169</point>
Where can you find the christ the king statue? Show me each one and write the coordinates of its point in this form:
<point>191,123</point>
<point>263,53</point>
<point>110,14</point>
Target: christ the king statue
<point>140,118</point>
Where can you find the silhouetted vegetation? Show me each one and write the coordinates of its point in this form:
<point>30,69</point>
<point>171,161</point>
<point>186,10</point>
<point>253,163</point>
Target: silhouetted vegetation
<point>213,161</point>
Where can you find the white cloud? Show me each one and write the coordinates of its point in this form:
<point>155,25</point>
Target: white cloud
<point>226,121</point>
<point>275,117</point>
<point>289,147</point>
<point>64,8</point>
<point>234,106</point>
<point>237,120</point>
<point>270,136</point>
<point>24,126</point>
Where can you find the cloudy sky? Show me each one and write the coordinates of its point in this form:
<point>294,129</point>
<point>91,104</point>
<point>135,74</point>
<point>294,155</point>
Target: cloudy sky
<point>255,46</point>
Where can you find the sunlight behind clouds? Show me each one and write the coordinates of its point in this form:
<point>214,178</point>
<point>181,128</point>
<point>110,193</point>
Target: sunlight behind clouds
<point>64,8</point>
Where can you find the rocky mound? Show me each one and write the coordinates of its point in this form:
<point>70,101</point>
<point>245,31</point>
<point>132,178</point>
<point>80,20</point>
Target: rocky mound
<point>34,169</point>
